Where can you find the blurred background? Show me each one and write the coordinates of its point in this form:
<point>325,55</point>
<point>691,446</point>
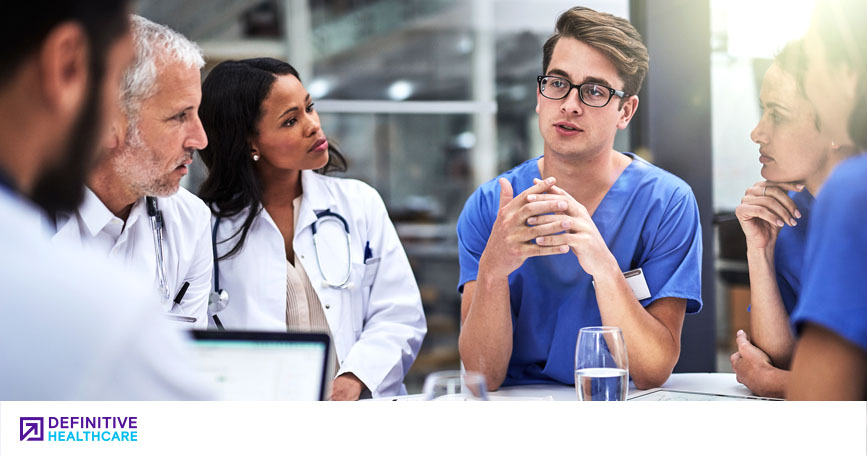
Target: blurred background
<point>430,98</point>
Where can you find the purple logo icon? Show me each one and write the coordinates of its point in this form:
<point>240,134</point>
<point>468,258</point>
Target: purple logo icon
<point>31,428</point>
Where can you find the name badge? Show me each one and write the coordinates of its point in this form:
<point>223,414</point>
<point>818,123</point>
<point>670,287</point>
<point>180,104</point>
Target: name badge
<point>635,279</point>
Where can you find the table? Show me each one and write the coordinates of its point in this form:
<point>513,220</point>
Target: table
<point>699,383</point>
<point>719,383</point>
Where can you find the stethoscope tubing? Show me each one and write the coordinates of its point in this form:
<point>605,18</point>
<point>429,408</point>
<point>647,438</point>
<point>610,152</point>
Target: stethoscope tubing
<point>219,298</point>
<point>344,282</point>
<point>156,218</point>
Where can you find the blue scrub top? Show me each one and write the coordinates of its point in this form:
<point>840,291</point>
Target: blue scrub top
<point>789,251</point>
<point>834,293</point>
<point>649,219</point>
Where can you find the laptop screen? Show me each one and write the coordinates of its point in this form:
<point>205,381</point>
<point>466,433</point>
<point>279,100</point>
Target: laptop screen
<point>253,366</point>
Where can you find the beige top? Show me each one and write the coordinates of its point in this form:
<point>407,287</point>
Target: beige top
<point>303,309</point>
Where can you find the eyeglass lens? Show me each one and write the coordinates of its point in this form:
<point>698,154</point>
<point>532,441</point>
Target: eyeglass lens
<point>592,94</point>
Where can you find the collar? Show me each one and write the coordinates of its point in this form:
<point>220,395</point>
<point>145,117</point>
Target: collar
<point>95,215</point>
<point>317,197</point>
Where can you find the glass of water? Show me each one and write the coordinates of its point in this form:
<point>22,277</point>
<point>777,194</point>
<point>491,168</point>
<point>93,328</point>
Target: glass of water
<point>455,386</point>
<point>601,364</point>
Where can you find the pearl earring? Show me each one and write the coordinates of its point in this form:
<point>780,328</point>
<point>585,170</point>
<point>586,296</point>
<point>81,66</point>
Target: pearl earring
<point>255,157</point>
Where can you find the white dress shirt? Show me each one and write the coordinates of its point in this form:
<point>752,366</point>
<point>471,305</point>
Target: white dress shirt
<point>186,243</point>
<point>63,335</point>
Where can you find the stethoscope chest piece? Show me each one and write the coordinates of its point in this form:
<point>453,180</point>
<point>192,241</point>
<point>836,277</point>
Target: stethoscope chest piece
<point>218,300</point>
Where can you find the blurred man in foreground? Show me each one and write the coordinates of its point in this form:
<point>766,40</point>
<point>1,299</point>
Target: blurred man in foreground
<point>71,327</point>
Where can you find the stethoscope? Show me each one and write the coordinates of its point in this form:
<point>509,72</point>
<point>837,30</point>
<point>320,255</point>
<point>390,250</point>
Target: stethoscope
<point>157,227</point>
<point>219,298</point>
<point>333,217</point>
<point>156,217</point>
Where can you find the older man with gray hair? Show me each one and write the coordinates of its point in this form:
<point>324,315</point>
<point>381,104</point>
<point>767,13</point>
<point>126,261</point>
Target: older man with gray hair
<point>134,210</point>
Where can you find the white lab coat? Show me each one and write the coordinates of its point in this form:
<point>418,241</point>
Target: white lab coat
<point>377,325</point>
<point>187,245</point>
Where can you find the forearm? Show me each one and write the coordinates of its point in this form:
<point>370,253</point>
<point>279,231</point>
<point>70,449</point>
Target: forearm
<point>826,367</point>
<point>652,349</point>
<point>772,383</point>
<point>769,322</point>
<point>485,342</point>
<point>754,369</point>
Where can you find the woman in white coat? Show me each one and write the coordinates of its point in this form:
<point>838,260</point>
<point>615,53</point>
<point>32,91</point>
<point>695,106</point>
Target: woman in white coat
<point>297,249</point>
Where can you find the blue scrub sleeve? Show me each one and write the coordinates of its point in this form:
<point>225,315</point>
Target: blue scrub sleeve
<point>834,289</point>
<point>672,266</point>
<point>789,252</point>
<point>474,228</point>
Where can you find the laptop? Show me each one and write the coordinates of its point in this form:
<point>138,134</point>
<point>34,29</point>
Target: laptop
<point>254,366</point>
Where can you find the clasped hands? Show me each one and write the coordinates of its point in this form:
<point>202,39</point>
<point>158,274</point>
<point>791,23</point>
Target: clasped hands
<point>543,220</point>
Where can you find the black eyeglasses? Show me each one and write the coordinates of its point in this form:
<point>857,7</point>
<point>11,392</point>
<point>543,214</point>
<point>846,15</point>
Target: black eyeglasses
<point>590,93</point>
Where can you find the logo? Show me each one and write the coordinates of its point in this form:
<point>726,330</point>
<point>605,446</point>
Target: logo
<point>79,428</point>
<point>31,428</point>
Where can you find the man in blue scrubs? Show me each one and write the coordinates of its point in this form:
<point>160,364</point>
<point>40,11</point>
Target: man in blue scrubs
<point>544,247</point>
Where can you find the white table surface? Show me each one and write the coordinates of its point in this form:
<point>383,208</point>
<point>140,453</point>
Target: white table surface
<point>718,383</point>
<point>699,383</point>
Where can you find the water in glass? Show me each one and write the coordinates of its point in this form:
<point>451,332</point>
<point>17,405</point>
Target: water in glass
<point>601,364</point>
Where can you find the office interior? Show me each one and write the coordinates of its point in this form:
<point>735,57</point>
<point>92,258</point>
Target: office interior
<point>428,99</point>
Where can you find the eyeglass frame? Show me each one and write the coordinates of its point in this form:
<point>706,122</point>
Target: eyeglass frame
<point>611,92</point>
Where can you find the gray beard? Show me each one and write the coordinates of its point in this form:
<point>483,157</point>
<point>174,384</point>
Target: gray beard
<point>137,165</point>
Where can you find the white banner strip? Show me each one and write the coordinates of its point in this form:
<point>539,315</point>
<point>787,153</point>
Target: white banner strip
<point>414,427</point>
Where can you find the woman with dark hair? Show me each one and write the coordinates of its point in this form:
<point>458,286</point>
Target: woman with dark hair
<point>797,155</point>
<point>830,358</point>
<point>296,249</point>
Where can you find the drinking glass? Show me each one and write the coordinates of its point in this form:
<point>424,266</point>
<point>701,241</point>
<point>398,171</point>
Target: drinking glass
<point>455,386</point>
<point>601,364</point>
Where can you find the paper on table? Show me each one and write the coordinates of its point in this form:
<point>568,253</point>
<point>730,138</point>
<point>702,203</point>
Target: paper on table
<point>660,394</point>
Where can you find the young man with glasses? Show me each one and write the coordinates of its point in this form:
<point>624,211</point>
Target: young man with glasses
<point>546,248</point>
